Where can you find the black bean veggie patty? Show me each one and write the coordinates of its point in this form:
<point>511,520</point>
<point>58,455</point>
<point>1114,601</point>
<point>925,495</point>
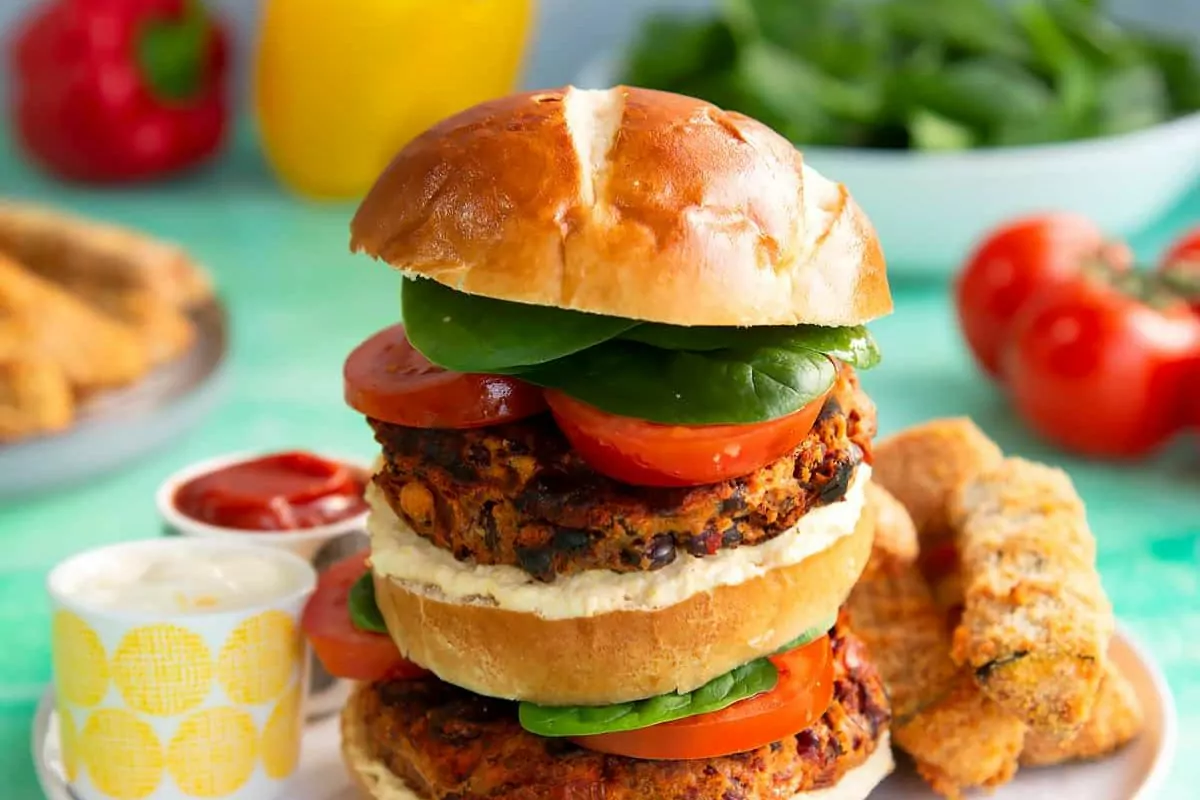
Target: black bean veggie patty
<point>516,494</point>
<point>448,743</point>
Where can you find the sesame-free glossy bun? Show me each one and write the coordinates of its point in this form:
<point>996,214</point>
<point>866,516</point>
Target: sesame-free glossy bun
<point>628,202</point>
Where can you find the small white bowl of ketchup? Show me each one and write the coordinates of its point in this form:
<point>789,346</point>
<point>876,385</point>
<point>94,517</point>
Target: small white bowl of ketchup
<point>295,500</point>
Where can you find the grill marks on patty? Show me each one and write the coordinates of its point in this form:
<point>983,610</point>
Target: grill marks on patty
<point>449,744</point>
<point>517,494</point>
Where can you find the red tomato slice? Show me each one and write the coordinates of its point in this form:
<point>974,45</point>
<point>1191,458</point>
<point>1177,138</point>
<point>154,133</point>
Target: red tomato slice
<point>802,695</point>
<point>344,650</point>
<point>1100,372</point>
<point>649,454</point>
<point>388,379</point>
<point>1014,263</point>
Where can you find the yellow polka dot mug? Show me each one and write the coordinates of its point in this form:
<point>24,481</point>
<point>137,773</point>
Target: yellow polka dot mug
<point>179,669</point>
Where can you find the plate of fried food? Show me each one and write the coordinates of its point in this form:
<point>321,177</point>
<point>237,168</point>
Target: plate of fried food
<point>983,610</point>
<point>110,344</point>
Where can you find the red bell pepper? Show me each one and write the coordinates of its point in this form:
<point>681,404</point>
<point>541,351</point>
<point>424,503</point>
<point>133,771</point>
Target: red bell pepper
<point>112,91</point>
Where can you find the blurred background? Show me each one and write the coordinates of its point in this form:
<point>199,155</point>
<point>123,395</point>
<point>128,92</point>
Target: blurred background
<point>228,144</point>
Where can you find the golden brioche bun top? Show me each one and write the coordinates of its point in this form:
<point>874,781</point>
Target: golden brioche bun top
<point>627,202</point>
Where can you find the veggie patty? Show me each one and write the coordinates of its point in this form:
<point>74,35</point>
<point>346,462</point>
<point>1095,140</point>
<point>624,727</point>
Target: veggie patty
<point>516,494</point>
<point>448,743</point>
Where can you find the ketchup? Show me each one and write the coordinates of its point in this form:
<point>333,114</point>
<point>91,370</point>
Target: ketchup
<point>280,492</point>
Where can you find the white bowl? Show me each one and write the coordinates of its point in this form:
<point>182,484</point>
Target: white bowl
<point>930,208</point>
<point>306,542</point>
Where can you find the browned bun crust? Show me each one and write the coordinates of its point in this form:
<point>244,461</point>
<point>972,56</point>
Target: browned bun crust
<point>629,202</point>
<point>623,655</point>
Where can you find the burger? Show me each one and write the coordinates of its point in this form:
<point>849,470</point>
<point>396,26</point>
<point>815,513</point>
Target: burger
<point>620,502</point>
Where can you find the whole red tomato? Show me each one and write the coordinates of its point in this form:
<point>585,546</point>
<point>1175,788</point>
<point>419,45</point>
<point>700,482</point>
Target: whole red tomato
<point>1098,370</point>
<point>1015,263</point>
<point>1181,267</point>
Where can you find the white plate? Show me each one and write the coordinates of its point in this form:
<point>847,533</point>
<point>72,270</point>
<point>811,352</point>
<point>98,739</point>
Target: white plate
<point>1136,773</point>
<point>119,426</point>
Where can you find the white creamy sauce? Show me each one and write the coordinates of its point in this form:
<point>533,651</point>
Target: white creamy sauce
<point>190,580</point>
<point>398,552</point>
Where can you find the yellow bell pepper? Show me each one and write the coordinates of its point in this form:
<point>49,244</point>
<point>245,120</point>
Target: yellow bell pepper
<point>341,86</point>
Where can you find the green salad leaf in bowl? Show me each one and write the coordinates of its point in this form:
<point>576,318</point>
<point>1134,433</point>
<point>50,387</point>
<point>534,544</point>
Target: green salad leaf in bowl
<point>931,75</point>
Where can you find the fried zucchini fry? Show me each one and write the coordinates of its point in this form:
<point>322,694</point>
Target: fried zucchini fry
<point>958,737</point>
<point>72,250</point>
<point>1116,720</point>
<point>41,322</point>
<point>35,398</point>
<point>143,283</point>
<point>895,534</point>
<point>1036,623</point>
<point>923,465</point>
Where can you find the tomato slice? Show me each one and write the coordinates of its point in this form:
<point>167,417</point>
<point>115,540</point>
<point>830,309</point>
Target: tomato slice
<point>802,695</point>
<point>650,454</point>
<point>344,650</point>
<point>388,379</point>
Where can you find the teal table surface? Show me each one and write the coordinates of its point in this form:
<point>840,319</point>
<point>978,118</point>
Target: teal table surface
<point>298,302</point>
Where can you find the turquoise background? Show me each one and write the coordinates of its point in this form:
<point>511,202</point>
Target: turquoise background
<point>298,303</point>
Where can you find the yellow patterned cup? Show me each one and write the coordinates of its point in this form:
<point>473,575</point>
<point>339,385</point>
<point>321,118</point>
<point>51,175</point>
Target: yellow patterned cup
<point>179,669</point>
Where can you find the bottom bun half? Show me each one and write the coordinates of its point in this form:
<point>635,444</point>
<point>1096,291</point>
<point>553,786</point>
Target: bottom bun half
<point>375,780</point>
<point>623,655</point>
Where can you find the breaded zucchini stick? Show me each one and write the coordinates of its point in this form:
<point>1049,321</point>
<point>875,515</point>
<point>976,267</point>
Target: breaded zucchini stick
<point>35,398</point>
<point>1116,719</point>
<point>958,737</point>
<point>1036,623</point>
<point>895,534</point>
<point>39,321</point>
<point>132,278</point>
<point>923,465</point>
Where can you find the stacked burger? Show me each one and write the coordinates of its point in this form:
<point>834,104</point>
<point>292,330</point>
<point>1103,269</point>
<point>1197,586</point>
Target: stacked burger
<point>621,499</point>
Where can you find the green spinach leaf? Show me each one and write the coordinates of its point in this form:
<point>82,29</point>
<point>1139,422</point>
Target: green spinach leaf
<point>670,49</point>
<point>852,344</point>
<point>807,637</point>
<point>364,611</point>
<point>746,681</point>
<point>729,386</point>
<point>984,93</point>
<point>469,333</point>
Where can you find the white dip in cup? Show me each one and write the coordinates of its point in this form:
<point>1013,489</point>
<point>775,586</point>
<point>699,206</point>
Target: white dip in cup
<point>179,669</point>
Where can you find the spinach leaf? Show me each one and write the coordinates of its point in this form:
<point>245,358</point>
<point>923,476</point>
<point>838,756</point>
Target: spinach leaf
<point>1180,69</point>
<point>364,611</point>
<point>810,635</point>
<point>1133,98</point>
<point>852,344</point>
<point>721,692</point>
<point>972,28</point>
<point>469,333</point>
<point>728,386</point>
<point>983,93</point>
<point>800,90</point>
<point>670,49</point>
<point>930,131</point>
